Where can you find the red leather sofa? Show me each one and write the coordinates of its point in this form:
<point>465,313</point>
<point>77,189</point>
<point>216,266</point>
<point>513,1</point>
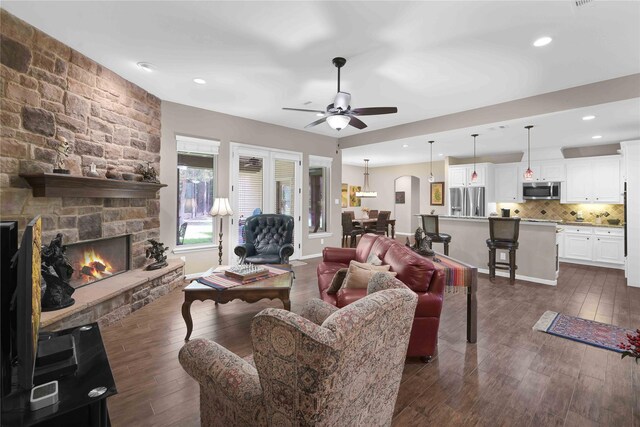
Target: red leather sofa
<point>414,270</point>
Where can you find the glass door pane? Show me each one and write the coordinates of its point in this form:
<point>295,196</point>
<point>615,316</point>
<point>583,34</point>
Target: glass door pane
<point>285,183</point>
<point>250,190</point>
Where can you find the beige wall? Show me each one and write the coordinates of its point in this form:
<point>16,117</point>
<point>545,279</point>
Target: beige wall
<point>353,175</point>
<point>180,119</point>
<point>382,180</point>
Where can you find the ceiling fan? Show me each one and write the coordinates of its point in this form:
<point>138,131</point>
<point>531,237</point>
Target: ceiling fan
<point>339,114</point>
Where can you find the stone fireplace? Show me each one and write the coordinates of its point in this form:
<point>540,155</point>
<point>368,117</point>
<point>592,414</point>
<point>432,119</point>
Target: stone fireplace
<point>51,91</point>
<point>98,259</point>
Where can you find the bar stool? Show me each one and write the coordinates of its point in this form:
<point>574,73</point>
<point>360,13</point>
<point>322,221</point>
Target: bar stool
<point>503,234</point>
<point>431,227</point>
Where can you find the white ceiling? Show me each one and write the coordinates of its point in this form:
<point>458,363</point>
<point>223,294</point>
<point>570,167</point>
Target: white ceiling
<point>426,58</point>
<point>615,122</point>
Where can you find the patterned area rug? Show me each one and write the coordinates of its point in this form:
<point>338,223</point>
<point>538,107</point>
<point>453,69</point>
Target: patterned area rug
<point>589,332</point>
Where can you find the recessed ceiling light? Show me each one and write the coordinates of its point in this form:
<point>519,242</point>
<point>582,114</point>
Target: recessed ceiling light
<point>146,66</point>
<point>440,154</point>
<point>596,136</point>
<point>320,114</point>
<point>200,81</point>
<point>542,41</point>
<point>588,118</point>
<point>405,145</point>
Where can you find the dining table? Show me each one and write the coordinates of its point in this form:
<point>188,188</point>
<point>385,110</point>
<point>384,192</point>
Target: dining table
<point>371,223</point>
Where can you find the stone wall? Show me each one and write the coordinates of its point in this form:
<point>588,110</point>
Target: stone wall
<point>48,91</point>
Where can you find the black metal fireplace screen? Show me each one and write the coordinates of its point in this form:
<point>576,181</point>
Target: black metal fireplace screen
<point>95,260</point>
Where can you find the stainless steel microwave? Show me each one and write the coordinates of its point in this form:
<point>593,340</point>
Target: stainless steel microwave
<point>541,190</point>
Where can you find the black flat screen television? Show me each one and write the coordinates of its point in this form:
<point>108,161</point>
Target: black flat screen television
<point>24,308</point>
<point>8,248</point>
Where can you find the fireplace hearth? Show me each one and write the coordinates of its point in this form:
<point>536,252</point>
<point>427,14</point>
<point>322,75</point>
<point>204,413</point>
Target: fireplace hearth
<point>95,260</point>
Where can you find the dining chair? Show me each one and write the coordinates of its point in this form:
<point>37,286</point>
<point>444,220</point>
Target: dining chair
<point>382,224</point>
<point>349,231</point>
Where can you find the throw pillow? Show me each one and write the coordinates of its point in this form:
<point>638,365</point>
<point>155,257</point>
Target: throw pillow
<point>337,281</point>
<point>359,274</point>
<point>373,260</point>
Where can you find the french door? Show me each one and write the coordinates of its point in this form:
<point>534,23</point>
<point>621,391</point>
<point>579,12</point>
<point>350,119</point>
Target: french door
<point>265,181</point>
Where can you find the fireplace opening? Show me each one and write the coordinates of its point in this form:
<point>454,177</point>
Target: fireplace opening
<point>95,260</point>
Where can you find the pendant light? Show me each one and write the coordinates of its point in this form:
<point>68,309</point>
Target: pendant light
<point>474,175</point>
<point>528,174</point>
<point>366,192</point>
<point>431,177</point>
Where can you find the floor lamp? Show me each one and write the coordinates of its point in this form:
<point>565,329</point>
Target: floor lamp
<point>221,208</point>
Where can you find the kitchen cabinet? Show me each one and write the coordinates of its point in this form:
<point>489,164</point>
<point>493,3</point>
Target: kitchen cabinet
<point>596,180</point>
<point>460,176</point>
<point>545,171</point>
<point>578,246</point>
<point>598,244</point>
<point>508,184</point>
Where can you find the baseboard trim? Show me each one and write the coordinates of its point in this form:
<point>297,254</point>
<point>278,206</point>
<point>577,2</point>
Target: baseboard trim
<point>521,277</point>
<point>310,256</point>
<point>593,263</point>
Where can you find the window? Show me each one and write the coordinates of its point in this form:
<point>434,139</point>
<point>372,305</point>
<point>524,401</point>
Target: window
<point>196,190</point>
<point>319,194</point>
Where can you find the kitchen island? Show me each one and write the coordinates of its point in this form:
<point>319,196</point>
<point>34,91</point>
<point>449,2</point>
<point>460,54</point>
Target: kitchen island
<point>536,257</point>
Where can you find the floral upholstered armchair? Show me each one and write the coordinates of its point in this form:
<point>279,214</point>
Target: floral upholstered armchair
<point>325,367</point>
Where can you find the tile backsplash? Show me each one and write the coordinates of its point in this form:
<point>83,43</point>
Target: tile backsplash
<point>552,209</point>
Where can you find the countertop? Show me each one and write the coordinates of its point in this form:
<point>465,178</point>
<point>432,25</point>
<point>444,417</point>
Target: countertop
<point>536,221</point>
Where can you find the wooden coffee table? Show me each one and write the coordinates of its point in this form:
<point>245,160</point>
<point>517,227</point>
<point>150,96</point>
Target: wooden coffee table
<point>277,287</point>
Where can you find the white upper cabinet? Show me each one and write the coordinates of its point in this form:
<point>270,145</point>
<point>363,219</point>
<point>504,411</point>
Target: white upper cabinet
<point>596,180</point>
<point>508,184</point>
<point>460,176</point>
<point>545,171</point>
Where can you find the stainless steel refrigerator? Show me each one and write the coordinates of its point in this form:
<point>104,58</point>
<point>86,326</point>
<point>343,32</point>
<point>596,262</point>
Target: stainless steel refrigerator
<point>467,201</point>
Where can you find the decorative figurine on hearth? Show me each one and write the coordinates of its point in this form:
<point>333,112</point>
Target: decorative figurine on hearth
<point>56,272</point>
<point>156,251</point>
<point>62,152</point>
<point>148,173</point>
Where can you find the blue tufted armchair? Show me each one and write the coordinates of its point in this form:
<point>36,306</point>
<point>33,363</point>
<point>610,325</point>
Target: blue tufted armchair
<point>267,239</point>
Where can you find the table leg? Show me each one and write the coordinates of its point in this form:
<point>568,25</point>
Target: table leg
<point>393,230</point>
<point>472,309</point>
<point>287,304</point>
<point>186,315</point>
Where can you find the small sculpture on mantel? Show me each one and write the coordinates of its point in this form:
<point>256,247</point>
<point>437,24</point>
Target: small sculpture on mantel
<point>112,173</point>
<point>56,272</point>
<point>62,152</point>
<point>92,172</point>
<point>157,252</point>
<point>149,173</point>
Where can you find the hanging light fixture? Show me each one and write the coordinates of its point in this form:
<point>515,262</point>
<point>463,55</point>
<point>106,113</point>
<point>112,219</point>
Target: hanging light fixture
<point>338,121</point>
<point>528,174</point>
<point>366,192</point>
<point>474,175</point>
<point>431,177</point>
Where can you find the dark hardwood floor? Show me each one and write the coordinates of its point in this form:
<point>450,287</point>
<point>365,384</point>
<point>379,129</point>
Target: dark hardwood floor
<point>512,376</point>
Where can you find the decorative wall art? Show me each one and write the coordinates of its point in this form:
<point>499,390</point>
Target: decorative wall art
<point>354,201</point>
<point>437,193</point>
<point>345,195</point>
<point>400,197</point>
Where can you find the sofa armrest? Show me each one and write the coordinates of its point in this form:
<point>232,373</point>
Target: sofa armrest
<point>341,255</point>
<point>437,283</point>
<point>223,376</point>
<point>317,310</point>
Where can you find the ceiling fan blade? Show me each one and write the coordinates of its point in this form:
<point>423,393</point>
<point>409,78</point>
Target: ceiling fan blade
<point>302,109</point>
<point>373,111</point>
<point>357,123</point>
<point>342,100</point>
<point>317,122</point>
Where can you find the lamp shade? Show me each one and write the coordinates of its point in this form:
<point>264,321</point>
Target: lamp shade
<point>338,121</point>
<point>221,207</point>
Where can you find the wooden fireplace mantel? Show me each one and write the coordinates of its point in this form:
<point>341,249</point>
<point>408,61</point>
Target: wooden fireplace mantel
<point>60,185</point>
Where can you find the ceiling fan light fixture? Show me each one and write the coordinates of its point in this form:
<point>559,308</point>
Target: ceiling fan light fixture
<point>338,121</point>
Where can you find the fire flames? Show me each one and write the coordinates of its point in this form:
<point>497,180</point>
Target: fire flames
<point>95,267</point>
